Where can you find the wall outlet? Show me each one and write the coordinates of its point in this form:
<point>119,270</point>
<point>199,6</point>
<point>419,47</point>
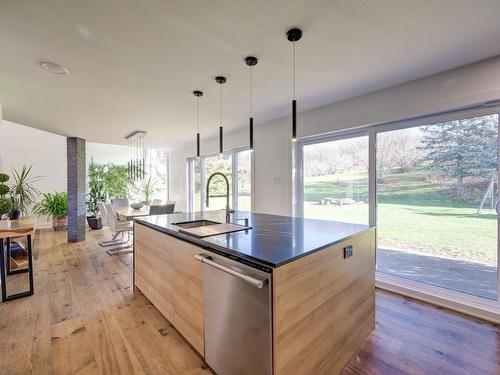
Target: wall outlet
<point>348,251</point>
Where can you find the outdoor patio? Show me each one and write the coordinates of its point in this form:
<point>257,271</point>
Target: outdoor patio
<point>470,277</point>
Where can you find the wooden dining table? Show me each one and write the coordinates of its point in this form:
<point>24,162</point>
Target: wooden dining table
<point>128,214</point>
<point>19,227</point>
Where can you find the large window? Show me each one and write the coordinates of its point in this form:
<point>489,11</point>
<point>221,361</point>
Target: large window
<point>335,180</point>
<point>431,188</point>
<point>436,192</point>
<point>157,169</point>
<point>236,166</point>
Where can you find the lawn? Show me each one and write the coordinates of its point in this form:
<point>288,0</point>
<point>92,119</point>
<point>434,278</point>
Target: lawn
<point>219,203</point>
<point>413,215</point>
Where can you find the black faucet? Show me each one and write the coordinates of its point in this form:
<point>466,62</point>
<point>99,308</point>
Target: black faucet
<point>208,196</point>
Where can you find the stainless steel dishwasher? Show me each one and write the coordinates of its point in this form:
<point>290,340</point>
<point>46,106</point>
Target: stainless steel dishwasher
<point>238,316</point>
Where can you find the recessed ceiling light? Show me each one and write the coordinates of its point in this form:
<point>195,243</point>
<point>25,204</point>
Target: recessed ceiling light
<point>54,68</point>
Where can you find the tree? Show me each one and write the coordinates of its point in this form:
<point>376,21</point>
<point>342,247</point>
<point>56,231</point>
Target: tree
<point>218,164</point>
<point>462,148</point>
<point>397,149</point>
<point>116,181</point>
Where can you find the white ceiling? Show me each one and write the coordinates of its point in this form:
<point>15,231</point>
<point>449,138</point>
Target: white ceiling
<point>133,64</point>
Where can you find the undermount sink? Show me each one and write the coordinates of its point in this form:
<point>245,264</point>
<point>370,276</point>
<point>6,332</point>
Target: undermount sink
<point>196,223</point>
<point>207,228</point>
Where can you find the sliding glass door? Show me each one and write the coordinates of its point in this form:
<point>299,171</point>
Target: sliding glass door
<point>437,186</point>
<point>431,188</point>
<point>243,188</point>
<point>335,179</point>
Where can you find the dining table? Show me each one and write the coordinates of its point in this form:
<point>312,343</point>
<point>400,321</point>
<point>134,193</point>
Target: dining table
<point>128,213</point>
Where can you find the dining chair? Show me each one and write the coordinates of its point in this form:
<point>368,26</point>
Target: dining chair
<point>157,209</point>
<point>170,208</point>
<point>119,227</point>
<point>162,209</point>
<point>103,213</point>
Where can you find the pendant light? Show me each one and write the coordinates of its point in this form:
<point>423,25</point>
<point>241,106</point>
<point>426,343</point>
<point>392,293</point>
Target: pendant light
<point>136,166</point>
<point>251,61</point>
<point>294,35</point>
<point>198,94</point>
<point>221,80</point>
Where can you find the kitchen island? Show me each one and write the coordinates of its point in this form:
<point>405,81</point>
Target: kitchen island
<point>319,289</point>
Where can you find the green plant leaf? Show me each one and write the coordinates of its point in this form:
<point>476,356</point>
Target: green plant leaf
<point>24,187</point>
<point>5,206</point>
<point>52,205</point>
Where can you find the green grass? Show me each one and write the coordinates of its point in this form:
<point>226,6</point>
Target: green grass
<point>413,215</point>
<point>219,203</point>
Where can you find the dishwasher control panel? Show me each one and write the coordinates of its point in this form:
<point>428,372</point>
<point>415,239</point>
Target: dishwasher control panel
<point>245,262</point>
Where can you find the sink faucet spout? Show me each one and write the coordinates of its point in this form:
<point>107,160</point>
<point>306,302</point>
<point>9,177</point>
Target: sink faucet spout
<point>208,196</point>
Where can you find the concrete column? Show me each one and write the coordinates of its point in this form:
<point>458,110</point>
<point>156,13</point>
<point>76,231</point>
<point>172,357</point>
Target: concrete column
<point>76,189</point>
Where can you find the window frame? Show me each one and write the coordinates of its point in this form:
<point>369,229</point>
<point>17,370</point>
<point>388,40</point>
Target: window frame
<point>459,301</point>
<point>301,143</point>
<point>234,187</point>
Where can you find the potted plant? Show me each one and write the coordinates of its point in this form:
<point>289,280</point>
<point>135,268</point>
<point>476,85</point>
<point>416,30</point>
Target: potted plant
<point>5,203</point>
<point>96,194</point>
<point>148,188</point>
<point>23,190</point>
<point>15,212</point>
<point>54,206</point>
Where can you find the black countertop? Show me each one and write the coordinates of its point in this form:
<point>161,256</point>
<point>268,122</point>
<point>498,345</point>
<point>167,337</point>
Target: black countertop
<point>273,240</point>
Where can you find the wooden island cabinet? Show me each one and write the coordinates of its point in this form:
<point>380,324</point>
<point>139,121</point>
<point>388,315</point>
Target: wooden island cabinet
<point>323,304</point>
<point>166,272</point>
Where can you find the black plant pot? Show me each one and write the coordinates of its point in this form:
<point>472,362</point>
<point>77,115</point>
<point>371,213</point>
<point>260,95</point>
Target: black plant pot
<point>94,223</point>
<point>14,214</point>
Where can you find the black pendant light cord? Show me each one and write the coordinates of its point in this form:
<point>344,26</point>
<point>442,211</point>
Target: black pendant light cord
<point>198,94</point>
<point>294,94</point>
<point>198,127</point>
<point>294,99</point>
<point>221,129</point>
<point>251,61</point>
<point>251,109</point>
<point>251,91</point>
<point>221,80</point>
<point>294,35</point>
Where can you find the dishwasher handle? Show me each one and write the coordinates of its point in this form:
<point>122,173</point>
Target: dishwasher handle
<point>207,259</point>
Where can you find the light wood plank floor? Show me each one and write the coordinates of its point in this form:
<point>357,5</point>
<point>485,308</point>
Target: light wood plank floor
<point>85,319</point>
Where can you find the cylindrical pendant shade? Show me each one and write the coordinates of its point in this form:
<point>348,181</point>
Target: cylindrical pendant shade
<point>198,94</point>
<point>294,120</point>
<point>221,140</point>
<point>251,133</point>
<point>198,144</point>
<point>293,35</point>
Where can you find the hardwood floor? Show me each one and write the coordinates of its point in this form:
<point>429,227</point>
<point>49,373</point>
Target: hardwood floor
<point>85,319</point>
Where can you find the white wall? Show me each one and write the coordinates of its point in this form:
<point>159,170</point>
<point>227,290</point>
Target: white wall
<point>21,145</point>
<point>106,153</point>
<point>1,130</point>
<point>472,84</point>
